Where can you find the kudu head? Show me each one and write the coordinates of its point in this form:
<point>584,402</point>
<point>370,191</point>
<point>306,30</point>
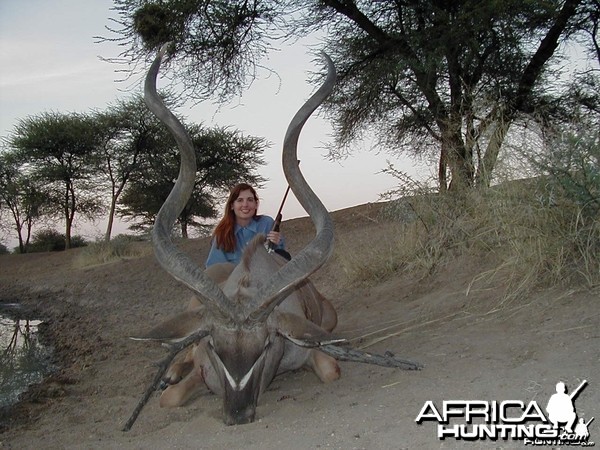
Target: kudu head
<point>243,328</point>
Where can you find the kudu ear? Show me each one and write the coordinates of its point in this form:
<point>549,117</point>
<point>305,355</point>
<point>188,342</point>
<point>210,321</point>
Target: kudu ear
<point>303,332</point>
<point>176,328</point>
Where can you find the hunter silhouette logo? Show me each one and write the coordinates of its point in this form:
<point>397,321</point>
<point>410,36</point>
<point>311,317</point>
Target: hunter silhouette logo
<point>512,419</point>
<point>581,430</point>
<point>561,409</point>
<point>560,406</point>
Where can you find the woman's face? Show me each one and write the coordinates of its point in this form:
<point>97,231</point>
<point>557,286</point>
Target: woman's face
<point>245,206</point>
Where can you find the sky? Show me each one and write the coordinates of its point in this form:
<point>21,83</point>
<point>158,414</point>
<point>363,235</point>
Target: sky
<point>51,62</point>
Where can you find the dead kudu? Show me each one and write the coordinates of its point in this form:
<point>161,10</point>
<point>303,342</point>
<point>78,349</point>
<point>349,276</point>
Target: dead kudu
<point>259,318</point>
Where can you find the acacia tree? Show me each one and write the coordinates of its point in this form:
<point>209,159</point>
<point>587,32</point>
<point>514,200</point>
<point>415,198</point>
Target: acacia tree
<point>452,75</point>
<point>224,157</point>
<point>455,73</point>
<point>21,197</point>
<point>130,130</point>
<point>60,151</point>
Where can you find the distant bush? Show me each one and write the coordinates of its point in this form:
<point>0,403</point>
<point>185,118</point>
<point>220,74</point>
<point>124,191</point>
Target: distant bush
<point>52,241</point>
<point>4,250</point>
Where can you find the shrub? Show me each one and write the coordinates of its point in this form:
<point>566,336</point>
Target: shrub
<point>573,164</point>
<point>52,241</point>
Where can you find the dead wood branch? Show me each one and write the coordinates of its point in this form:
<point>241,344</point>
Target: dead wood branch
<point>162,368</point>
<point>386,360</point>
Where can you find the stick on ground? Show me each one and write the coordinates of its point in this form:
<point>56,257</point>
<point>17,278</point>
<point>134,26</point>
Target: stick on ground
<point>386,360</point>
<point>162,368</point>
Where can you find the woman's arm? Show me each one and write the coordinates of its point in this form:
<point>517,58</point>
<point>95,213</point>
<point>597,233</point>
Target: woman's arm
<point>265,226</point>
<point>215,255</point>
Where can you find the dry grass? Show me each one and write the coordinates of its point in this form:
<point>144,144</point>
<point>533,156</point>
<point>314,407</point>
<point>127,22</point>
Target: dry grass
<point>117,249</point>
<point>531,236</point>
<point>391,247</point>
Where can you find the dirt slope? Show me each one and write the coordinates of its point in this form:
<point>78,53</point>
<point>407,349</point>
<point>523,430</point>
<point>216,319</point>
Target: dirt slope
<point>473,347</point>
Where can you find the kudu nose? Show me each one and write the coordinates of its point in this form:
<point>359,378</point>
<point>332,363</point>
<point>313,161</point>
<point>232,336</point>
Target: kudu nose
<point>240,417</point>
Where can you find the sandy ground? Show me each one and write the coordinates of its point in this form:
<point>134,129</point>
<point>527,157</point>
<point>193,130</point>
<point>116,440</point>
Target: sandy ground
<point>473,348</point>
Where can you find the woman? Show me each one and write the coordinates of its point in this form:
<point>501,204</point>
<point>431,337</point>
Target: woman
<point>239,225</point>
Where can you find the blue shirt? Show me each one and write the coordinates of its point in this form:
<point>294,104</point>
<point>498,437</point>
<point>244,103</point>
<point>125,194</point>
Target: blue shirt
<point>243,235</point>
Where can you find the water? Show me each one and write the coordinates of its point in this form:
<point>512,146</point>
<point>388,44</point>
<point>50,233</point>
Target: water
<point>23,359</point>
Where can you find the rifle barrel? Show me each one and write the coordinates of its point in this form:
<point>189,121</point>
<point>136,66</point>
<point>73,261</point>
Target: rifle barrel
<point>579,388</point>
<point>279,215</point>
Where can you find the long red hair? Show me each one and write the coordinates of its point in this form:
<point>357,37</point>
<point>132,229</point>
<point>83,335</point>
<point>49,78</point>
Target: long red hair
<point>224,232</point>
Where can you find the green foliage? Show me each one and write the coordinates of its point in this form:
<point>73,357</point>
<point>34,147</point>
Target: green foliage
<point>151,22</point>
<point>224,157</point>
<point>218,42</point>
<point>573,162</point>
<point>22,196</point>
<point>55,137</point>
<point>447,78</point>
<point>570,153</point>
<point>60,151</point>
<point>4,249</point>
<point>130,131</point>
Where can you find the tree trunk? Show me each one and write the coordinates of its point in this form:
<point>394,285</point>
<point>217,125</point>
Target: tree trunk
<point>69,213</point>
<point>113,203</point>
<point>18,228</point>
<point>460,160</point>
<point>68,235</point>
<point>66,213</point>
<point>487,164</point>
<point>184,229</point>
<point>29,230</point>
<point>21,244</point>
<point>111,218</point>
<point>443,169</point>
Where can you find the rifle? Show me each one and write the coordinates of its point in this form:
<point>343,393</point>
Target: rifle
<point>576,391</point>
<point>278,218</point>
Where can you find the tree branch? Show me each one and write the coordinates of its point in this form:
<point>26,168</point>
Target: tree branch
<point>543,54</point>
<point>386,360</point>
<point>162,368</point>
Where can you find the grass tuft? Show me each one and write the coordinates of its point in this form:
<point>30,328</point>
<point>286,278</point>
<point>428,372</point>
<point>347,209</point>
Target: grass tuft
<point>119,248</point>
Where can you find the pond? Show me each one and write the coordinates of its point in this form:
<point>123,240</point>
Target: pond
<point>24,360</point>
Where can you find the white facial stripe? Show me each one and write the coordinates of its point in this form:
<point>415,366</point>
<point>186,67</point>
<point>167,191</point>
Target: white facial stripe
<point>230,379</point>
<point>246,378</point>
<point>244,381</point>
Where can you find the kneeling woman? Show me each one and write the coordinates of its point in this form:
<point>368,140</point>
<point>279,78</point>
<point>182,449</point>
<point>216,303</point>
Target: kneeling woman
<point>239,225</point>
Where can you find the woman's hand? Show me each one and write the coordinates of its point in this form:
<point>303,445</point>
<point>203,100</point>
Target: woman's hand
<point>274,237</point>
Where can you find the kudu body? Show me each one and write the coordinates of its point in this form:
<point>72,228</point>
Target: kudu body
<point>261,317</point>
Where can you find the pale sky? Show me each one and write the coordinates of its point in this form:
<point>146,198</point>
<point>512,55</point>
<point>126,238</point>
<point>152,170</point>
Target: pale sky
<point>51,63</point>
